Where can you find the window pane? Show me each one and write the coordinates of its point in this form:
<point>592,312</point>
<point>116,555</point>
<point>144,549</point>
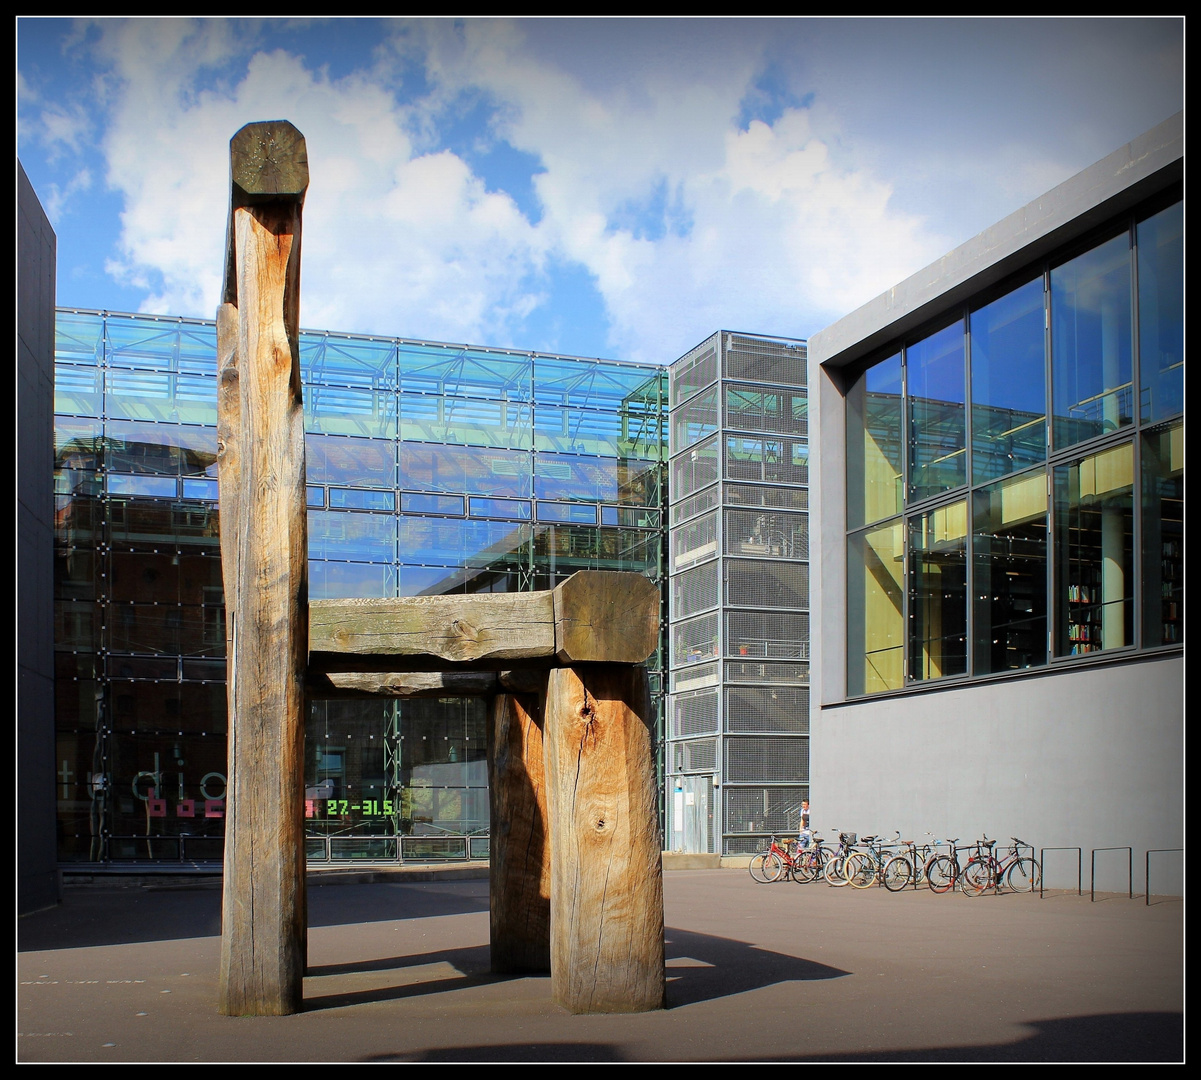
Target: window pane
<point>1009,550</point>
<point>874,460</point>
<point>1094,579</point>
<point>935,384</point>
<point>1009,396</point>
<point>938,592</point>
<point>1163,537</point>
<point>1161,313</point>
<point>1091,342</point>
<point>875,631</point>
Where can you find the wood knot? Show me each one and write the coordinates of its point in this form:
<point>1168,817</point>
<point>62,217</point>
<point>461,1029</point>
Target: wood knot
<point>601,825</point>
<point>464,630</point>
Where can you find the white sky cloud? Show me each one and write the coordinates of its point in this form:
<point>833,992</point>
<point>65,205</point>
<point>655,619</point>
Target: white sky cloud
<point>869,149</point>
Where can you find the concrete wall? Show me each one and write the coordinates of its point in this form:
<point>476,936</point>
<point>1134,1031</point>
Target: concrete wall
<point>1088,758</point>
<point>37,877</point>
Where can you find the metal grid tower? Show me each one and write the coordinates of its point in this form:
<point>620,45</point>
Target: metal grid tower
<point>737,752</point>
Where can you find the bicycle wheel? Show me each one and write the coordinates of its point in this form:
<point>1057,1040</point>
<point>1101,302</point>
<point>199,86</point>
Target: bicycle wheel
<point>766,867</point>
<point>897,873</point>
<point>861,870</point>
<point>834,872</point>
<point>977,876</point>
<point>1024,875</point>
<point>805,869</point>
<point>941,872</point>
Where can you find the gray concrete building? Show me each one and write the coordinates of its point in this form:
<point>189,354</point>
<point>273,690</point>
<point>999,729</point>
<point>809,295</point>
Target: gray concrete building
<point>999,459</point>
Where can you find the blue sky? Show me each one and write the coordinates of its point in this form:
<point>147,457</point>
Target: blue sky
<point>607,187</point>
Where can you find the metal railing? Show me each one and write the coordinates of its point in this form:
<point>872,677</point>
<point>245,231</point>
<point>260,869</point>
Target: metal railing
<point>1092,872</point>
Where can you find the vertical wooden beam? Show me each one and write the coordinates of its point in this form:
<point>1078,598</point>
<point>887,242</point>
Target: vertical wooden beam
<point>606,848</point>
<point>519,877</point>
<point>265,565</point>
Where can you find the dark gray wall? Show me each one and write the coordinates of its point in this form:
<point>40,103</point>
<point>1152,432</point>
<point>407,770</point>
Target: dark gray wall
<point>37,875</point>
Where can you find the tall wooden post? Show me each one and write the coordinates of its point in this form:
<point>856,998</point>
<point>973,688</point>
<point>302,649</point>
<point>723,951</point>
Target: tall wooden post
<point>606,849</point>
<point>519,888</point>
<point>265,566</point>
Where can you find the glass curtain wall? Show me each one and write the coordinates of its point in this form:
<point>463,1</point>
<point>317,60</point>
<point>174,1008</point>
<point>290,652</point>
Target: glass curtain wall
<point>1060,532</point>
<point>738,748</point>
<point>431,469</point>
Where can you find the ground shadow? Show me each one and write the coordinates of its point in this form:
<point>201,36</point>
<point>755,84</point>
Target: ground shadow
<point>1143,1036</point>
<point>700,967</point>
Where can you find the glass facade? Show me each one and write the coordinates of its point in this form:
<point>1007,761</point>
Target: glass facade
<point>1064,537</point>
<point>738,709</point>
<point>431,469</point>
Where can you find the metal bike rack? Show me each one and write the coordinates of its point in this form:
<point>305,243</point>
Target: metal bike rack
<point>1092,871</point>
<point>1147,879</point>
<point>1042,862</point>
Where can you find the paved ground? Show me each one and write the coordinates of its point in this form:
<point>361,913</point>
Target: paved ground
<point>756,972</point>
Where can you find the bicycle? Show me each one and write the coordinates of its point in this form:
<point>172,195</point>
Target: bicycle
<point>942,871</point>
<point>810,863</point>
<point>835,869</point>
<point>774,864</point>
<point>866,868</point>
<point>1021,873</point>
<point>908,866</point>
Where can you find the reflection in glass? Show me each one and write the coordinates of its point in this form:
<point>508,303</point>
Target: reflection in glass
<point>875,598</point>
<point>935,388</point>
<point>1009,560</point>
<point>1094,542</point>
<point>1091,330</point>
<point>874,456</point>
<point>938,592</point>
<point>1163,537</point>
<point>1161,313</point>
<point>1009,397</point>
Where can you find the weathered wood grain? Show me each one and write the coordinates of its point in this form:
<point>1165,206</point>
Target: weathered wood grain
<point>266,565</point>
<point>606,616</point>
<point>606,848</point>
<point>520,887</point>
<point>402,684</point>
<point>594,616</point>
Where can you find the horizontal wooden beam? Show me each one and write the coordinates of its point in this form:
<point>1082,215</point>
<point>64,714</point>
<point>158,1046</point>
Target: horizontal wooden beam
<point>402,684</point>
<point>596,616</point>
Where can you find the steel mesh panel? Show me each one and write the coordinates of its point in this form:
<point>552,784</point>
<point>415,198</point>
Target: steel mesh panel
<point>694,542</point>
<point>764,361</point>
<point>693,677</point>
<point>779,498</point>
<point>768,709</point>
<point>695,421</point>
<point>694,371</point>
<point>699,755</point>
<point>698,504</point>
<point>694,714</point>
<point>774,459</point>
<point>764,584</point>
<point>781,758</point>
<point>764,408</point>
<point>694,591</point>
<point>694,469</point>
<point>768,635</point>
<point>772,535</point>
<point>763,810</point>
<point>748,671</point>
<point>694,640</point>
